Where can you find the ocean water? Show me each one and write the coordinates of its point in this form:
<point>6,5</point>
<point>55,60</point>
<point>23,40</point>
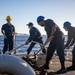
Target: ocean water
<point>20,39</point>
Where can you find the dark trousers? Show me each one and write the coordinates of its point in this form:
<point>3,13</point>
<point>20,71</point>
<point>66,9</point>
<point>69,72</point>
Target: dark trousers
<point>73,56</point>
<point>56,44</point>
<point>33,44</point>
<point>8,44</point>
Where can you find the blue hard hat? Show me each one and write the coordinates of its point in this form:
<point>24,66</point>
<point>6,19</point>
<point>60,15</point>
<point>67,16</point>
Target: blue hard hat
<point>66,23</point>
<point>39,18</point>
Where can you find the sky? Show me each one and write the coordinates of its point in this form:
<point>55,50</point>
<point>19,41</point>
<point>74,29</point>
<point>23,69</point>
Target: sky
<point>25,11</point>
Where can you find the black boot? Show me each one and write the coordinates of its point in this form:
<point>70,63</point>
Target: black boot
<point>71,68</point>
<point>61,71</point>
<point>46,65</point>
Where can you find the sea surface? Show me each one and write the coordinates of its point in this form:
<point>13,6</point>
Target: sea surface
<point>20,39</point>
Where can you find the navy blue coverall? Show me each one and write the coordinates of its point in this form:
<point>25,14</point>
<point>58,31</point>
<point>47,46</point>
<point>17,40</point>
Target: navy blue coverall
<point>57,42</point>
<point>35,35</point>
<point>8,42</point>
<point>71,41</point>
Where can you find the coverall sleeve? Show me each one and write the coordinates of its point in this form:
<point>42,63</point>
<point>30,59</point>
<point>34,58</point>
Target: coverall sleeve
<point>13,29</point>
<point>69,39</point>
<point>32,34</point>
<point>2,29</point>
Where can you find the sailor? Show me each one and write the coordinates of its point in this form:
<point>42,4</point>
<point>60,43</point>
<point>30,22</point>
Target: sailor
<point>56,39</point>
<point>70,42</point>
<point>8,30</point>
<point>35,35</point>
